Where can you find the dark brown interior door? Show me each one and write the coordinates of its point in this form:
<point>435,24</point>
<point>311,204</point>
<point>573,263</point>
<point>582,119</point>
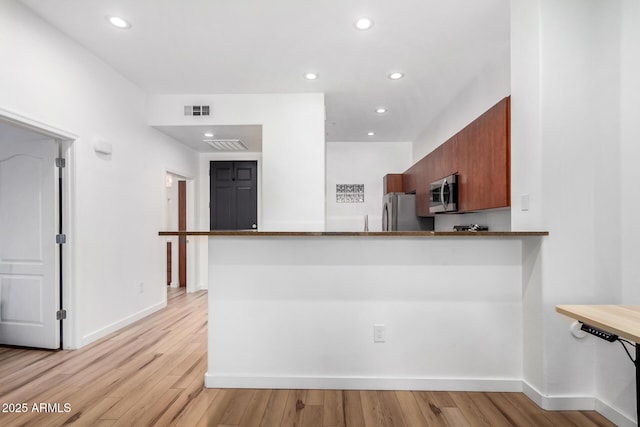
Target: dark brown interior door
<point>182,240</point>
<point>234,195</point>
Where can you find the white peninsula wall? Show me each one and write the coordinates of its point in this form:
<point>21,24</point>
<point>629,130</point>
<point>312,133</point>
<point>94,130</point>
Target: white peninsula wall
<point>299,311</point>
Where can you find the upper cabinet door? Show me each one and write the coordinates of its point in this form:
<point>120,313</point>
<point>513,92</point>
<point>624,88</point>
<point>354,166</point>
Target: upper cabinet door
<point>481,156</point>
<point>392,183</point>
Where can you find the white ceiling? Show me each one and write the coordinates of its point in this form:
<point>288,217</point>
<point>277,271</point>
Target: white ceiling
<point>260,46</point>
<point>193,136</point>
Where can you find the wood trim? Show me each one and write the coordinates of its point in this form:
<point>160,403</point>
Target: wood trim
<point>182,240</point>
<point>169,264</point>
<point>507,102</point>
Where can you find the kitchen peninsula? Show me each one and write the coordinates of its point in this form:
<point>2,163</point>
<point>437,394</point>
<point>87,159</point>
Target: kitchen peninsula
<point>370,310</point>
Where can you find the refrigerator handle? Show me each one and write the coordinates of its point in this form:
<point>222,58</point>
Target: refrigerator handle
<point>385,217</point>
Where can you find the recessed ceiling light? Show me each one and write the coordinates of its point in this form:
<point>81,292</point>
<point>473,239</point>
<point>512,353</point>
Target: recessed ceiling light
<point>363,23</point>
<point>116,21</point>
<point>381,110</point>
<point>396,76</point>
<point>371,133</point>
<point>311,76</point>
<point>208,135</point>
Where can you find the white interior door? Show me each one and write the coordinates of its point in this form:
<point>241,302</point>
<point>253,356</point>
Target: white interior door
<point>29,286</point>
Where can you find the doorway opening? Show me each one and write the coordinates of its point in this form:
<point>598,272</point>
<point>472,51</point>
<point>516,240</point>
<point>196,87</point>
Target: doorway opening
<point>179,216</point>
<point>35,249</point>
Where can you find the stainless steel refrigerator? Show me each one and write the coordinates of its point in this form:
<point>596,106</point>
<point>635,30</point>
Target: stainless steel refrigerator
<point>399,214</point>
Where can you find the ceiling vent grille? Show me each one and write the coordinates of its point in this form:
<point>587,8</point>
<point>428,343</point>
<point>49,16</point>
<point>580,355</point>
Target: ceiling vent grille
<point>226,144</point>
<point>196,110</point>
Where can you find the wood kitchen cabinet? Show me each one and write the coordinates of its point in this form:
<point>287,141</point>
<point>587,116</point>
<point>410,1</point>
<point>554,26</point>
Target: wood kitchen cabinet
<point>392,183</point>
<point>479,154</point>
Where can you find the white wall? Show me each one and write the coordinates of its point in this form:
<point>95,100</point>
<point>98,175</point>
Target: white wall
<point>361,163</point>
<point>615,380</point>
<point>630,151</point>
<point>566,153</point>
<point>119,199</point>
<point>451,309</point>
<point>291,166</point>
<point>484,91</point>
<point>293,149</point>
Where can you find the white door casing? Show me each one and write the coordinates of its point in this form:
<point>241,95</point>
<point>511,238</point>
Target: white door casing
<point>29,285</point>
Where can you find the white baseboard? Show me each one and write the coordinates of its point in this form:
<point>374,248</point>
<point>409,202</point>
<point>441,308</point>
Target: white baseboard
<point>559,403</point>
<point>196,287</point>
<point>576,403</point>
<point>200,287</point>
<point>613,415</point>
<point>363,383</point>
<point>96,335</point>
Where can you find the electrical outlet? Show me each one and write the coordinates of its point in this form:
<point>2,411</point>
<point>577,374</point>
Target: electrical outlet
<point>142,287</point>
<point>378,332</point>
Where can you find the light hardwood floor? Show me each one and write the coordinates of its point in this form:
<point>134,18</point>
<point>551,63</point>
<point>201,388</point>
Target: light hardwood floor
<point>151,373</point>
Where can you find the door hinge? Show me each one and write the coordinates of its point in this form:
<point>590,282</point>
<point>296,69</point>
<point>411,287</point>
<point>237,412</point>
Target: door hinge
<point>60,162</point>
<point>61,239</point>
<point>61,314</point>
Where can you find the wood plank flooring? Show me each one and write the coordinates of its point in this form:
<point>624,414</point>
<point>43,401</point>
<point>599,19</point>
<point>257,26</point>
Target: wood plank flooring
<point>151,374</point>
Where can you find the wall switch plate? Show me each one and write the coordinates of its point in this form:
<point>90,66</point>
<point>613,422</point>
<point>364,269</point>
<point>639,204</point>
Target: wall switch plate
<point>378,332</point>
<point>141,287</point>
<point>524,202</point>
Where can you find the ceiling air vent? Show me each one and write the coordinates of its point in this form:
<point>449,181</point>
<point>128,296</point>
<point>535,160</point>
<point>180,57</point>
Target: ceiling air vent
<point>226,144</point>
<point>196,110</point>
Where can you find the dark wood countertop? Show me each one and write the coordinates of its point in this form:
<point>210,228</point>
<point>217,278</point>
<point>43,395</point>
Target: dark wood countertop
<point>358,233</point>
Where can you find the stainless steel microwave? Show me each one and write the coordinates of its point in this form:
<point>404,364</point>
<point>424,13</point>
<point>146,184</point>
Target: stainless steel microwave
<point>444,195</point>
